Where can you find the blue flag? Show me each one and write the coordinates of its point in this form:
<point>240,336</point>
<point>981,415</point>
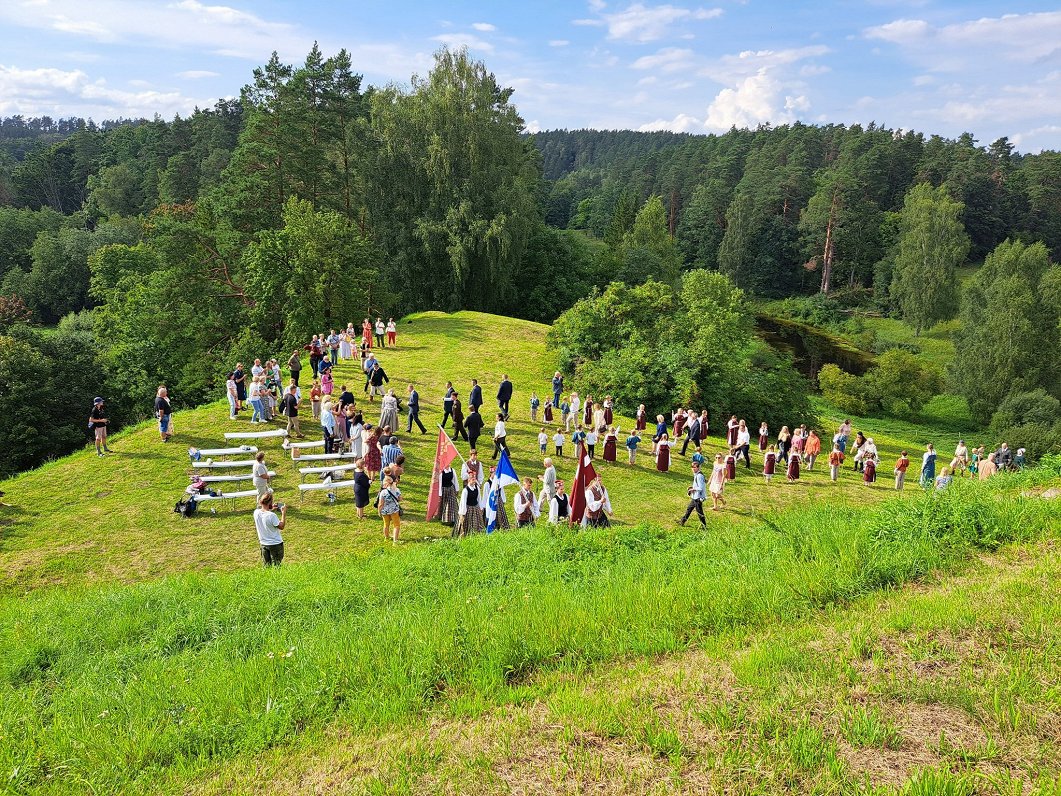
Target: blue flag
<point>505,474</point>
<point>491,510</point>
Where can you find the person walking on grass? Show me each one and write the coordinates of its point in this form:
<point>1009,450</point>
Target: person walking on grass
<point>717,483</point>
<point>457,413</point>
<point>412,406</point>
<point>928,466</point>
<point>289,409</point>
<point>163,411</point>
<point>474,426</point>
<point>261,477</point>
<point>294,365</point>
<point>97,421</point>
<point>836,458</point>
<point>769,463</point>
<point>269,525</point>
<point>632,442</point>
<point>447,403</point>
<point>500,435</point>
<point>812,448</point>
<point>389,504</point>
<point>504,396</point>
<point>525,505</point>
<point>697,496</point>
<point>901,466</point>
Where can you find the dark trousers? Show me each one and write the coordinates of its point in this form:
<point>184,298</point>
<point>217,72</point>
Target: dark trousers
<point>272,554</point>
<point>743,451</point>
<point>458,431</point>
<point>499,445</point>
<point>556,400</point>
<point>447,412</point>
<point>315,363</point>
<point>334,354</point>
<point>590,448</point>
<point>379,341</point>
<point>688,439</point>
<point>471,441</point>
<point>295,375</point>
<point>559,450</point>
<point>414,417</point>
<point>329,441</point>
<point>697,505</point>
<point>502,407</point>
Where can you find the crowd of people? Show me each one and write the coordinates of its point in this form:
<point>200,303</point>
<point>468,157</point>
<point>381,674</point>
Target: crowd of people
<point>472,499</point>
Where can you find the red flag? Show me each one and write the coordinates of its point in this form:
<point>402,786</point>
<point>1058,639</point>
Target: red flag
<point>584,476</point>
<point>445,453</point>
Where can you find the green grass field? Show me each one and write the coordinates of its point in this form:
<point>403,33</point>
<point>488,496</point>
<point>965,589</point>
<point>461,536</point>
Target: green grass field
<point>817,638</point>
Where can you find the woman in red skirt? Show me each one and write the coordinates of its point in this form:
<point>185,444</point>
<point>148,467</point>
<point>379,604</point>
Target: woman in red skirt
<point>642,418</point>
<point>663,453</point>
<point>793,467</point>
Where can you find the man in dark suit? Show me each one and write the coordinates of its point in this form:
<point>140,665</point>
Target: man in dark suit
<point>413,405</point>
<point>474,426</point>
<point>458,418</point>
<point>475,397</point>
<point>692,434</point>
<point>504,395</point>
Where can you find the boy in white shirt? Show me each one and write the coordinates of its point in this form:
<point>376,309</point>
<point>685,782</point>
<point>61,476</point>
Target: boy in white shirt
<point>558,441</point>
<point>543,440</point>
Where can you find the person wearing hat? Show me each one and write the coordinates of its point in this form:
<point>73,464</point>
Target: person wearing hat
<point>97,421</point>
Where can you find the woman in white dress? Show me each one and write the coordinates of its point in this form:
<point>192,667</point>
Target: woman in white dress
<point>346,346</point>
<point>388,415</point>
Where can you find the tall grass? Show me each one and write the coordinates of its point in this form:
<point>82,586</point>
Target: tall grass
<point>102,690</point>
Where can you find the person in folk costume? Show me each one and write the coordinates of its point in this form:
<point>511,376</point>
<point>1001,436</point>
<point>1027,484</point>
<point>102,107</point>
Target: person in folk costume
<point>856,448</point>
<point>987,467</point>
<point>599,423</point>
<point>559,505</point>
<point>731,465</point>
<point>642,418</point>
<point>663,453</point>
<point>598,506</point>
<point>792,474</point>
<point>731,431</point>
<point>716,484</point>
<point>704,424</point>
<point>457,413</point>
<point>570,418</point>
<point>588,411</point>
<point>611,441</point>
<point>472,467</point>
<point>548,411</point>
<point>784,443</point>
<point>525,505</point>
<point>492,485</point>
<point>764,437</point>
<point>812,448</point>
<point>661,432</point>
<point>869,469</point>
<point>744,443</point>
<point>346,350</point>
<point>836,458</point>
<point>470,517</point>
<point>928,466</point>
<point>678,418</point>
<point>961,459</point>
<point>609,405</point>
<point>769,463</point>
<point>366,332</point>
<point>448,505</point>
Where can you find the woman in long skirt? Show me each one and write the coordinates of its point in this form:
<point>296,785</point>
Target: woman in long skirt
<point>869,472</point>
<point>731,467</point>
<point>610,441</point>
<point>679,418</point>
<point>361,486</point>
<point>608,416</point>
<point>388,415</point>
<point>373,456</point>
<point>548,412</point>
<point>346,348</point>
<point>731,431</point>
<point>663,453</point>
<point>717,483</point>
<point>764,437</point>
<point>587,418</point>
<point>769,463</point>
<point>448,506</point>
<point>793,467</point>
<point>470,509</point>
<point>642,418</point>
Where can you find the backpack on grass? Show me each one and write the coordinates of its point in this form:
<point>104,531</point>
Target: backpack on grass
<point>186,506</point>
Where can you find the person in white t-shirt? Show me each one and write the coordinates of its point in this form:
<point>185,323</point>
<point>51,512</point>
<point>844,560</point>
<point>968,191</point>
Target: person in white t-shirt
<point>269,525</point>
<point>260,471</point>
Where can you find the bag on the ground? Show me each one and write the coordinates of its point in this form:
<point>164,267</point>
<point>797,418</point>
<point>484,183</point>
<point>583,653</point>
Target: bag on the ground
<point>186,506</point>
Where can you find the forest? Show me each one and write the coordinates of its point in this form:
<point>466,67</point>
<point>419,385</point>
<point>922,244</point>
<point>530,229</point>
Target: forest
<point>140,252</point>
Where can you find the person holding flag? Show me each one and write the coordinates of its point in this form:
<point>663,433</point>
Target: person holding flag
<point>442,498</point>
<point>525,505</point>
<point>598,506</point>
<point>589,502</point>
<point>501,476</point>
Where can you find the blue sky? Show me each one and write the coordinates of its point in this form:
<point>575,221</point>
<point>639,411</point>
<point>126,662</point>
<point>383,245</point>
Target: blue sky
<point>937,67</point>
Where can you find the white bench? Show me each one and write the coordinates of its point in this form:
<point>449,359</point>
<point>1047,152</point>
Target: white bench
<point>220,479</point>
<point>289,445</point>
<point>304,471</point>
<point>213,465</point>
<point>205,453</point>
<point>276,432</point>
<point>328,485</point>
<point>229,496</point>
<point>327,457</point>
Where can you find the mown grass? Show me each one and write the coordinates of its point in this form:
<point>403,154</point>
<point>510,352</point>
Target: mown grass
<point>83,520</point>
<point>125,688</point>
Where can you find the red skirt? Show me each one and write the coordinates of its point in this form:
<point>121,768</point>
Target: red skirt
<point>764,441</point>
<point>731,469</point>
<point>732,436</point>
<point>679,426</point>
<point>548,414</point>
<point>642,424</point>
<point>769,465</point>
<point>869,474</point>
<point>793,468</point>
<point>663,458</point>
<point>607,416</point>
<point>609,449</point>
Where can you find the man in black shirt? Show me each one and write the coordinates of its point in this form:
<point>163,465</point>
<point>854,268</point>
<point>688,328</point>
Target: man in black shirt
<point>375,380</point>
<point>475,397</point>
<point>345,397</point>
<point>163,410</point>
<point>97,421</point>
<point>474,426</point>
<point>240,378</point>
<point>289,409</point>
<point>504,395</point>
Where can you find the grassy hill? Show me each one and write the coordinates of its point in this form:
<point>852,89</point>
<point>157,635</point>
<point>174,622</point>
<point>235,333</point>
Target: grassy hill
<point>83,520</point>
<point>143,653</point>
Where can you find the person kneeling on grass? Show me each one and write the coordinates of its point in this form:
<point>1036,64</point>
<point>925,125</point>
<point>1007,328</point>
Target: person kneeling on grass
<point>269,525</point>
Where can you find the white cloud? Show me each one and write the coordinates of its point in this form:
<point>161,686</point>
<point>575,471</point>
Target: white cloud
<point>484,27</point>
<point>682,123</point>
<point>197,74</point>
<point>669,59</point>
<point>457,40</point>
<point>641,23</point>
<point>59,93</point>
<point>558,42</point>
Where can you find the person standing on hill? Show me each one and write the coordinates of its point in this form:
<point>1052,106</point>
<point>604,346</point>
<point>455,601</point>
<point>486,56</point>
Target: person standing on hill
<point>901,466</point>
<point>294,366</point>
<point>392,333</point>
<point>163,411</point>
<point>475,397</point>
<point>697,496</point>
<point>558,387</point>
<point>316,354</point>
<point>366,332</point>
<point>717,484</point>
<point>375,380</point>
<point>97,421</point>
<point>928,466</point>
<point>744,443</point>
<point>381,330</point>
<point>812,448</point>
<point>240,378</point>
<point>548,479</point>
<point>333,348</point>
<point>412,406</point>
<point>474,425</point>
<point>447,403</point>
<point>289,409</point>
<point>504,395</point>
<point>692,434</point>
<point>269,526</point>
<point>525,505</point>
<point>230,393</point>
<point>457,413</point>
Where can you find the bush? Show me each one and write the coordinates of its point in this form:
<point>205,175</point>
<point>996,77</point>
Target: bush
<point>843,390</point>
<point>1021,408</point>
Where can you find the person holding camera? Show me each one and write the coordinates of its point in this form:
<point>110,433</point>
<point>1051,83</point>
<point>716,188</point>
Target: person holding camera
<point>269,525</point>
